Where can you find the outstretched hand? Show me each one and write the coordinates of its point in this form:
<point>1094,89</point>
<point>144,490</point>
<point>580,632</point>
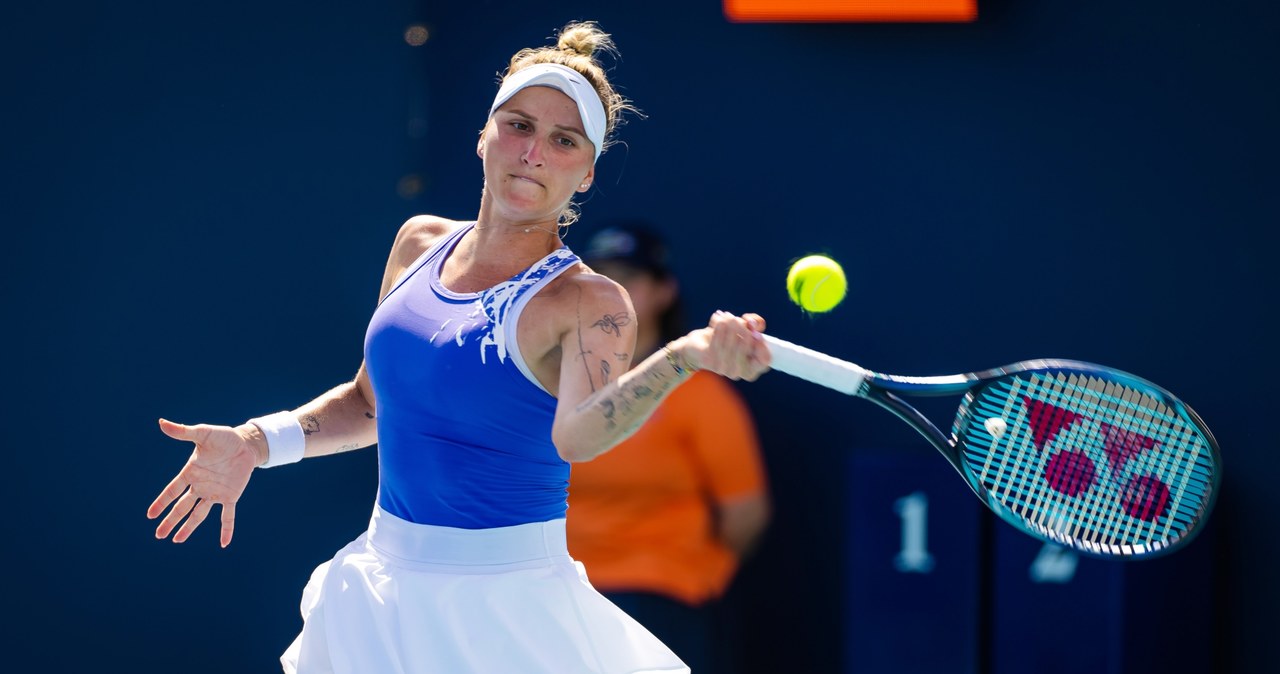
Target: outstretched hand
<point>217,473</point>
<point>731,346</point>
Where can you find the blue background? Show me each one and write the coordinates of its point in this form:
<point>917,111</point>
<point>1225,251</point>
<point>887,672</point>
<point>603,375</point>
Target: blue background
<point>198,199</point>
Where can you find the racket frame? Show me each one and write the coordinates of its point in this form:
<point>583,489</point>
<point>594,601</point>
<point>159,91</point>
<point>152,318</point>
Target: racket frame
<point>884,390</point>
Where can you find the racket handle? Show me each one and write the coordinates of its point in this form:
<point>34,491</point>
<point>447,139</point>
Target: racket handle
<point>814,366</point>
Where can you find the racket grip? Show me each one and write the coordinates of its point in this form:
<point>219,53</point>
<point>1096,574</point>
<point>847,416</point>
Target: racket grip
<point>814,366</point>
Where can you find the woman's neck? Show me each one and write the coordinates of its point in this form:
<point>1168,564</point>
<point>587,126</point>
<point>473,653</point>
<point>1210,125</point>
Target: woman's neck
<point>516,233</point>
<point>501,242</point>
<point>486,256</point>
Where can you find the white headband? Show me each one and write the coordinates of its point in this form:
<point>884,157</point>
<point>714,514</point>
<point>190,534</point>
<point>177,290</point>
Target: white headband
<point>569,82</point>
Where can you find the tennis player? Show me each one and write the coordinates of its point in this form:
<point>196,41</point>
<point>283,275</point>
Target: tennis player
<point>493,361</point>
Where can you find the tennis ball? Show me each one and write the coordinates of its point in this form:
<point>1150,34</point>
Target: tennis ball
<point>816,283</point>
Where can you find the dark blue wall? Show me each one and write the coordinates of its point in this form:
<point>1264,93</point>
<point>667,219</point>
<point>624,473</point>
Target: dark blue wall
<point>198,199</point>
<point>197,203</point>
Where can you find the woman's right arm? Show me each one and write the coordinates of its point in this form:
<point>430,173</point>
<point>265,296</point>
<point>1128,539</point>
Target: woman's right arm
<point>339,420</point>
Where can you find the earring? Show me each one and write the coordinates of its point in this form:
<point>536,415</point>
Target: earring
<point>585,185</point>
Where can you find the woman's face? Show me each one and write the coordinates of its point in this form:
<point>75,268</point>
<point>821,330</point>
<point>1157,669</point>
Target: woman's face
<point>536,153</point>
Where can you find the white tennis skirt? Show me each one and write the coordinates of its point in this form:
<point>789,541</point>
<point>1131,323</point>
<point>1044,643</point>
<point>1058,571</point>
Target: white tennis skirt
<point>409,598</point>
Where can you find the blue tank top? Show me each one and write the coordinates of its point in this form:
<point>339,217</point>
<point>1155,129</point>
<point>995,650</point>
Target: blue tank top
<point>464,428</point>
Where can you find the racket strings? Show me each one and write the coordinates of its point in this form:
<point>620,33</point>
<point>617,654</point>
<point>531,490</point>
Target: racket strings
<point>1136,486</point>
<point>1088,461</point>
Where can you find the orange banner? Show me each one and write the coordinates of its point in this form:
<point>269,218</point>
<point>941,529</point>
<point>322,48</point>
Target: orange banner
<point>851,10</point>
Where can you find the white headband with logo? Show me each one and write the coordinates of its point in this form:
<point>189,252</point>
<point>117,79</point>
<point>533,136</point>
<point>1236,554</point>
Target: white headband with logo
<point>569,82</point>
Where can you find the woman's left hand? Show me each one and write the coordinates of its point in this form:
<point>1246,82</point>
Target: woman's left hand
<point>731,346</point>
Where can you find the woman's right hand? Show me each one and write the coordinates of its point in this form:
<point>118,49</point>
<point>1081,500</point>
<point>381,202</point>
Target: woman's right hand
<point>217,473</point>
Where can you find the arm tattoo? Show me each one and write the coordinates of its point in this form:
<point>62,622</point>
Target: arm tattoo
<point>612,324</point>
<point>615,405</point>
<point>582,356</point>
<point>607,408</point>
<point>310,424</point>
<point>620,401</point>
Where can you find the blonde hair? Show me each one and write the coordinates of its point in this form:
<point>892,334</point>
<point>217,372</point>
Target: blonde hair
<point>576,47</point>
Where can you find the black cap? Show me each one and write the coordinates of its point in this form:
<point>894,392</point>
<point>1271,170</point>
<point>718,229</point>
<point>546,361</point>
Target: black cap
<point>634,244</point>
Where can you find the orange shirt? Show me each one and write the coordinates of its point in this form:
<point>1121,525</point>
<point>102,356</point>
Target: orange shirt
<point>640,515</point>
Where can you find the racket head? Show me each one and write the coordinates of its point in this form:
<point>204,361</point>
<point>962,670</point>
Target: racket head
<point>1087,456</point>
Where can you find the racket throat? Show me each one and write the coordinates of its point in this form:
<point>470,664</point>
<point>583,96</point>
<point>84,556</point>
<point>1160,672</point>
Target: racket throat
<point>917,420</point>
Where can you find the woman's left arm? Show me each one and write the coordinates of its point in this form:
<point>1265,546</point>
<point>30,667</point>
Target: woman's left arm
<point>601,400</point>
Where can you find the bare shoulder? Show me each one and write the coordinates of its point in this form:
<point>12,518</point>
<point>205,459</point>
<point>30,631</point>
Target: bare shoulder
<point>577,314</point>
<point>576,300</point>
<point>584,289</point>
<point>417,234</point>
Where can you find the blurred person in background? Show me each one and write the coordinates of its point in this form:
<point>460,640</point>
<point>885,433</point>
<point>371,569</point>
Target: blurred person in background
<point>663,520</point>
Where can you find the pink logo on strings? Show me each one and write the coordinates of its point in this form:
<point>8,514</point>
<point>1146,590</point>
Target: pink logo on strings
<point>1071,472</point>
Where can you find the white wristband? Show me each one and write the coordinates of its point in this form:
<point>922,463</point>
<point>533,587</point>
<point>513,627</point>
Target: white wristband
<point>285,439</point>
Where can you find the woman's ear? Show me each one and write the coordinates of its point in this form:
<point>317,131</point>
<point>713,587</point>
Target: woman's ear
<point>586,180</point>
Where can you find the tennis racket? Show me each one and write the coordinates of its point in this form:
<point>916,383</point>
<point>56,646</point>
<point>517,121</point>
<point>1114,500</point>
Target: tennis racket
<point>1086,456</point>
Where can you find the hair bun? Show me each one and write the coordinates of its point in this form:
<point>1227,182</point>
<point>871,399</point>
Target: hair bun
<point>582,38</point>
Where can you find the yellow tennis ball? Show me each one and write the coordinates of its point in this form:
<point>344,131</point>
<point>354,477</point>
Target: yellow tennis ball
<point>816,283</point>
